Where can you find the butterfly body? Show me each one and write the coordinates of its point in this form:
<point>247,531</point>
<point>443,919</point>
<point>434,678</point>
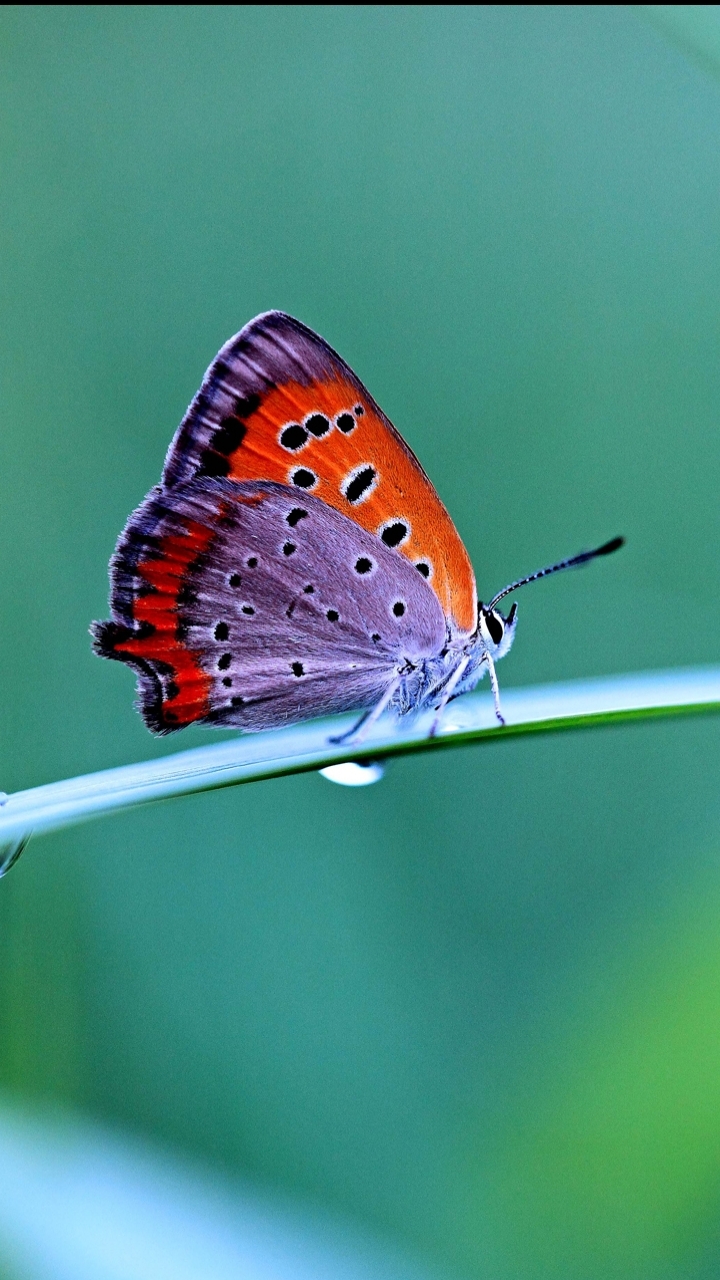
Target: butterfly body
<point>295,560</point>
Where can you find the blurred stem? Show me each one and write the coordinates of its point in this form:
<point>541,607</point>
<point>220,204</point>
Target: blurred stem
<point>302,748</point>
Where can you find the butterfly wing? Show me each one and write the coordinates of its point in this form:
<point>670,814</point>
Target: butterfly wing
<point>250,605</point>
<point>279,404</point>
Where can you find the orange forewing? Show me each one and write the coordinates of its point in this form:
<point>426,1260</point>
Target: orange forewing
<point>402,491</point>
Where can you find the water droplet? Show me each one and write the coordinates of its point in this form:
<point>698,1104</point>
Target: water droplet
<point>354,773</point>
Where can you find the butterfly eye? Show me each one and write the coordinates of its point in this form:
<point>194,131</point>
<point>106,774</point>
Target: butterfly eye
<point>494,626</point>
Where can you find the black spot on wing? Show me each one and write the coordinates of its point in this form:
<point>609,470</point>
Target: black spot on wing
<point>227,437</point>
<point>297,668</point>
<point>293,437</point>
<point>363,564</point>
<point>394,534</point>
<point>247,405</point>
<point>198,564</point>
<point>222,631</point>
<point>295,516</point>
<point>213,464</point>
<point>359,483</point>
<point>318,425</point>
<point>346,422</point>
<point>224,661</point>
<point>398,608</point>
<point>303,478</point>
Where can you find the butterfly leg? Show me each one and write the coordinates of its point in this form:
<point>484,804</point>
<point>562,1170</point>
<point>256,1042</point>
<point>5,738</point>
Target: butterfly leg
<point>447,694</point>
<point>495,687</point>
<point>367,720</point>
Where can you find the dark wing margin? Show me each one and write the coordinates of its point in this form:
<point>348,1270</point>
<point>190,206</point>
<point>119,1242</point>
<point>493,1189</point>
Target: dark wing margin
<point>153,557</point>
<point>271,350</point>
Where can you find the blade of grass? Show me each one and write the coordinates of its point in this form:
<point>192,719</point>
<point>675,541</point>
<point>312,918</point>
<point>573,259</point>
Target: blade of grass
<point>301,748</point>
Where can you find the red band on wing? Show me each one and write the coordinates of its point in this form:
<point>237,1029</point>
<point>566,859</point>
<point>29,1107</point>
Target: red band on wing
<point>183,684</point>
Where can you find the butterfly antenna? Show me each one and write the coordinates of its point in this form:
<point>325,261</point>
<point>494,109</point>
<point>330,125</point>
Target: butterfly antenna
<point>605,550</point>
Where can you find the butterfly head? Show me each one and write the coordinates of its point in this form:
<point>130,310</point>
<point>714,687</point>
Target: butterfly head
<point>497,632</point>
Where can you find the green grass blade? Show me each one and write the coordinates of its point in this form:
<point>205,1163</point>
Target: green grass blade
<point>542,709</point>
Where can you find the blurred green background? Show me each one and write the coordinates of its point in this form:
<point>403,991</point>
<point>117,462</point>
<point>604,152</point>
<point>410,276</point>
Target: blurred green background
<point>475,1009</point>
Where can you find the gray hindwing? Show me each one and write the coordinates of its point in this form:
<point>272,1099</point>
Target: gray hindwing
<point>294,610</point>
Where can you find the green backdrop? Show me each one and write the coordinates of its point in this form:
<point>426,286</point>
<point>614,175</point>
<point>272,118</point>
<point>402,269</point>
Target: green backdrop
<point>477,1007</point>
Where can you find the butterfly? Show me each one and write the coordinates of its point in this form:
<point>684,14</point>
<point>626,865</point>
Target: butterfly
<point>295,560</point>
